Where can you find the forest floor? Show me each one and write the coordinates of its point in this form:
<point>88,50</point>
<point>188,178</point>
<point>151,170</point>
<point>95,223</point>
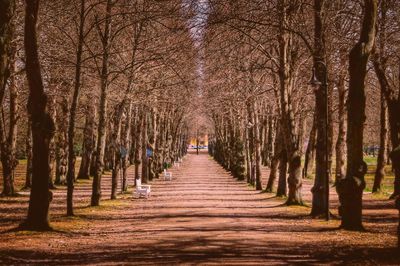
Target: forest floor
<point>202,216</point>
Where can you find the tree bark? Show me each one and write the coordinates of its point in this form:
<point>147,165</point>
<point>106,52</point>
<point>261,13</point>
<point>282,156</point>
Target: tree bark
<point>62,144</point>
<point>7,8</point>
<point>282,184</point>
<point>126,145</point>
<point>72,113</point>
<point>145,174</point>
<point>270,140</point>
<point>52,146</point>
<point>42,127</point>
<point>257,147</point>
<point>9,141</point>
<point>152,139</point>
<point>341,138</point>
<point>310,152</point>
<point>88,145</point>
<point>288,128</point>
<point>116,148</point>
<point>350,188</point>
<point>381,162</point>
<point>393,103</point>
<point>29,155</point>
<point>392,99</point>
<point>138,145</point>
<point>275,162</point>
<point>319,190</point>
<point>251,146</point>
<point>101,130</point>
<point>248,155</point>
<point>7,64</point>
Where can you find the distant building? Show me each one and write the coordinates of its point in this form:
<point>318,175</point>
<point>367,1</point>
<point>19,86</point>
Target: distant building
<point>203,141</point>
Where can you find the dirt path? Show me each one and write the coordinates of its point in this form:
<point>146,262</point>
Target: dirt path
<point>203,216</point>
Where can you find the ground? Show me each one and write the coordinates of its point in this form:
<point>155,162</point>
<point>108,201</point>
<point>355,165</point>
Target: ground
<point>202,216</point>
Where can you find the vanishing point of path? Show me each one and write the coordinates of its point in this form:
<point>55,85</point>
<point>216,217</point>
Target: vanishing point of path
<point>202,216</point>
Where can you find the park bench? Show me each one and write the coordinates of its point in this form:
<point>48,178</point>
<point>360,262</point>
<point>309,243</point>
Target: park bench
<point>178,162</point>
<point>167,175</point>
<point>142,190</point>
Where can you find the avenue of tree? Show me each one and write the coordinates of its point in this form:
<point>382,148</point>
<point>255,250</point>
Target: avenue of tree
<point>270,113</point>
<point>126,83</point>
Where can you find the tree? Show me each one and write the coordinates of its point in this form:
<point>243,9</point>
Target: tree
<point>101,130</point>
<point>7,57</point>
<point>286,82</point>
<point>383,63</point>
<point>320,187</point>
<point>350,188</point>
<point>381,162</point>
<point>42,127</point>
<point>72,110</point>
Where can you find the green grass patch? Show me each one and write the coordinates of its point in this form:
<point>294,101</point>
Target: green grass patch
<point>27,233</point>
<point>386,187</point>
<point>381,195</point>
<point>298,208</point>
<point>83,181</point>
<point>106,205</point>
<point>370,160</point>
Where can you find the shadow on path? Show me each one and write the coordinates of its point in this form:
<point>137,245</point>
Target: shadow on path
<point>202,216</point>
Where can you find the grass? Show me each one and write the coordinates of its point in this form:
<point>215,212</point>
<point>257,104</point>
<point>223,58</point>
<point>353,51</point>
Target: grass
<point>84,181</point>
<point>370,160</point>
<point>298,208</point>
<point>20,173</point>
<point>387,182</point>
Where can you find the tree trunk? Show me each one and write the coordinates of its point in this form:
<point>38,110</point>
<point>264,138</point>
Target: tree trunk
<point>392,99</point>
<point>310,152</point>
<point>62,144</point>
<point>248,155</point>
<point>275,162</point>
<point>393,103</point>
<point>138,145</point>
<point>288,129</point>
<point>350,188</point>
<point>8,164</point>
<point>257,147</point>
<point>7,9</point>
<point>8,136</point>
<point>29,155</point>
<point>101,130</point>
<point>93,158</point>
<point>341,138</point>
<point>52,146</point>
<point>270,140</point>
<point>72,114</point>
<point>116,148</point>
<point>125,145</point>
<point>282,184</point>
<point>145,175</point>
<point>251,143</point>
<point>42,127</point>
<point>319,190</point>
<point>88,145</point>
<point>381,162</point>
<point>152,139</point>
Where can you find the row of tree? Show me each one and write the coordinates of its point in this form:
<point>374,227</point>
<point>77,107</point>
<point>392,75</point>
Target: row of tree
<point>272,116</point>
<point>100,78</point>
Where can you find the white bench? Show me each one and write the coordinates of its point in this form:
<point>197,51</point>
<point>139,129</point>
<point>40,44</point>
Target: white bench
<point>142,190</point>
<point>178,162</point>
<point>167,175</point>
